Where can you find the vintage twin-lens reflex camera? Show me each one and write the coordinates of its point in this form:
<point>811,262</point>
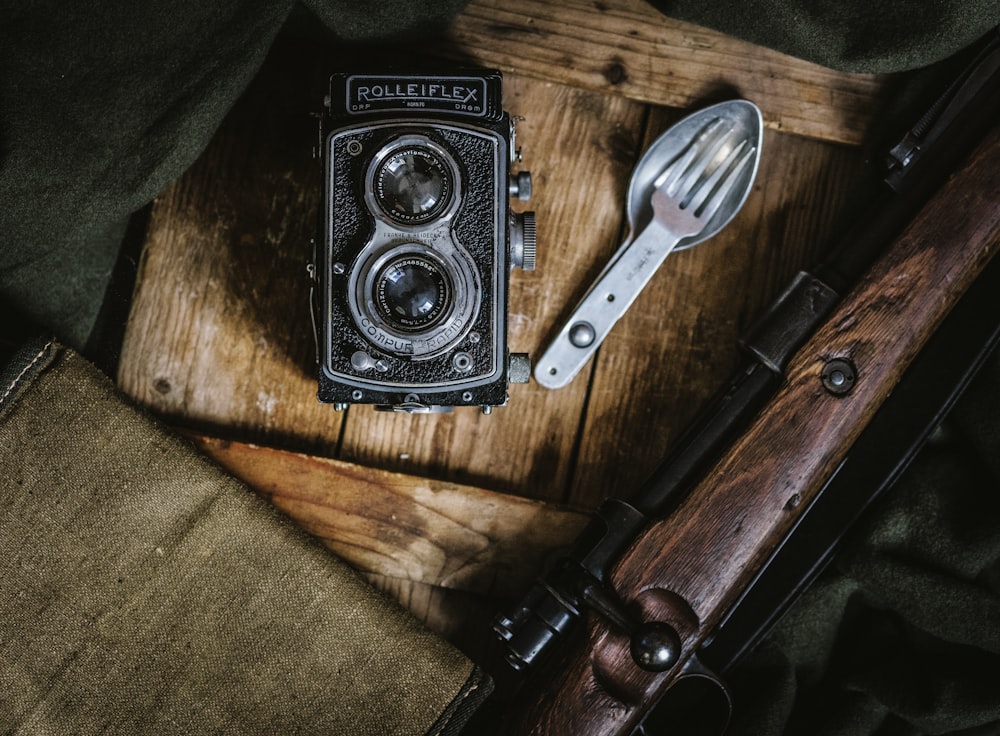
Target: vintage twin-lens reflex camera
<point>417,240</point>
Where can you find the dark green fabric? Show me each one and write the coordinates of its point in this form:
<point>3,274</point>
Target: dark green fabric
<point>850,35</point>
<point>144,591</point>
<point>103,104</point>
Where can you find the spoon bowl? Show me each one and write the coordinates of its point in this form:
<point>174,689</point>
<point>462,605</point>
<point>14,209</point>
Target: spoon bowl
<point>747,123</point>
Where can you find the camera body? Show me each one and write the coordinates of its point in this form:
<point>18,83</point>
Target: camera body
<point>417,239</point>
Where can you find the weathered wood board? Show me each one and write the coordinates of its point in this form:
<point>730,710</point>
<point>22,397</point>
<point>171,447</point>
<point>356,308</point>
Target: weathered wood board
<point>220,339</point>
<point>628,48</point>
<point>402,526</point>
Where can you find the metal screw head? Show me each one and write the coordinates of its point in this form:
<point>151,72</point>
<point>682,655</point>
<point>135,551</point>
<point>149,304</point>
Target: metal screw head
<point>462,362</point>
<point>361,361</point>
<point>838,376</point>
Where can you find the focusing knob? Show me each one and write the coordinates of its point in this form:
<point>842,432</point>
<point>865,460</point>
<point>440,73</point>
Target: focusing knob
<point>523,240</point>
<point>520,185</point>
<point>530,240</point>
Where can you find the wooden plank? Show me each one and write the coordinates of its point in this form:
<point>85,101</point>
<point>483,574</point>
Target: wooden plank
<point>401,526</point>
<point>220,337</point>
<point>628,48</point>
<point>678,342</point>
<point>580,148</point>
<point>219,333</point>
<point>461,617</point>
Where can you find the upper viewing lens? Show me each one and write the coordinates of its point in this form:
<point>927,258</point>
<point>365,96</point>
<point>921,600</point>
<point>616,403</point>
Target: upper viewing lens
<point>412,185</point>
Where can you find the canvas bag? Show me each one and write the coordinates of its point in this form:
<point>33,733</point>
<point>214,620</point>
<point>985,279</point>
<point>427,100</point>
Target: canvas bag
<point>144,591</point>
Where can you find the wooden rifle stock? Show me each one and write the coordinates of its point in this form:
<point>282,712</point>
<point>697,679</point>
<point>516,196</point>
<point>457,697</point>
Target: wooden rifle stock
<point>688,569</point>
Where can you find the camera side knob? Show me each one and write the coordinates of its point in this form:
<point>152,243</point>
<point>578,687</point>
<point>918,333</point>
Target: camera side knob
<point>523,238</point>
<point>520,185</point>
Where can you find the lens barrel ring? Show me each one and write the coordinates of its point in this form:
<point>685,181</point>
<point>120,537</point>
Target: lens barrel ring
<point>413,182</point>
<point>413,300</point>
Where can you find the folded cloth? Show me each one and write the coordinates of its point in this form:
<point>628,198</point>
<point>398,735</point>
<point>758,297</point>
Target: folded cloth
<point>144,591</point>
<point>103,104</point>
<point>850,35</point>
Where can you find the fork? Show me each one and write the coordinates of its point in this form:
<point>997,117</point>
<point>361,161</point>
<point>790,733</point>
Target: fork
<point>686,195</point>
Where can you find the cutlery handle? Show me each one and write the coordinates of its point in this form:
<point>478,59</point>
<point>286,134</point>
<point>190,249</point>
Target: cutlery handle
<point>603,305</point>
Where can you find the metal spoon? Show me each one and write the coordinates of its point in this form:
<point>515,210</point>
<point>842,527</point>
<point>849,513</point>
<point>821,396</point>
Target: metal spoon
<point>688,185</point>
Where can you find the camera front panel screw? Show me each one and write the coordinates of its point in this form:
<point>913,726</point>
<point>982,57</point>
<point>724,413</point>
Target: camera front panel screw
<point>354,147</point>
<point>462,362</point>
<point>339,269</point>
<point>362,361</point>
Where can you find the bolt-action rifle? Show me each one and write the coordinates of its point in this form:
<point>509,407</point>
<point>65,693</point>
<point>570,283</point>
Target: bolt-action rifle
<point>844,377</point>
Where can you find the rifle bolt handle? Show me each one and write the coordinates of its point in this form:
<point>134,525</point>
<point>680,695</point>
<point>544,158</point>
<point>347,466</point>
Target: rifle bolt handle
<point>655,646</point>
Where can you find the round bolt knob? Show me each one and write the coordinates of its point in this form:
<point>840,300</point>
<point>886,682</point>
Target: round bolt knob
<point>582,334</point>
<point>838,376</point>
<point>655,646</point>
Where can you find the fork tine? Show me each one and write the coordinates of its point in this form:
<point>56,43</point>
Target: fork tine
<point>696,171</point>
<point>731,171</point>
<point>699,196</point>
<point>669,176</point>
<point>668,179</point>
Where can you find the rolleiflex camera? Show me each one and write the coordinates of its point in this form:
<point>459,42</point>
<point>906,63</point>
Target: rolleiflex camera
<point>416,243</point>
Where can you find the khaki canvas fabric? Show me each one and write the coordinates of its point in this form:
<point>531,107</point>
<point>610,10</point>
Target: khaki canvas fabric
<point>142,591</point>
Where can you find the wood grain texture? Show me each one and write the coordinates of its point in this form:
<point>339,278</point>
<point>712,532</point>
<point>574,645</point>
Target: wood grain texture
<point>401,526</point>
<point>679,341</point>
<point>219,334</point>
<point>689,568</point>
<point>220,339</point>
<point>628,48</point>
